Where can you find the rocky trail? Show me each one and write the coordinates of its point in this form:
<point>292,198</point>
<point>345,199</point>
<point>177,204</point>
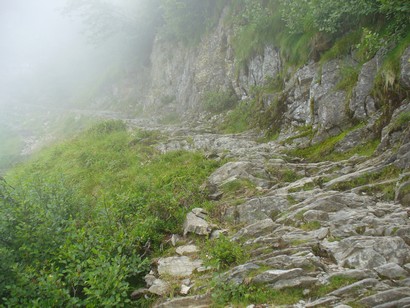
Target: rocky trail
<point>305,226</point>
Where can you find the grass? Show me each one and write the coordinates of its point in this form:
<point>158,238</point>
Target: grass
<point>342,47</point>
<point>387,191</point>
<point>326,149</point>
<point>120,198</point>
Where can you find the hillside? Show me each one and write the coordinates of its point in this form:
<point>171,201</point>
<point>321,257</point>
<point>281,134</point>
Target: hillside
<point>261,156</point>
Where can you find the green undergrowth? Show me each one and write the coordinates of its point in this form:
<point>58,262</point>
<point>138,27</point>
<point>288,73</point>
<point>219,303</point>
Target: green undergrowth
<point>325,150</point>
<point>79,222</point>
<point>385,191</point>
<point>245,294</point>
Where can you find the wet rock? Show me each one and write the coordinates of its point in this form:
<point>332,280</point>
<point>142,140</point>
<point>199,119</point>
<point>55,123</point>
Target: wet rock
<point>385,297</point>
<point>195,223</point>
<point>391,271</point>
<point>177,266</point>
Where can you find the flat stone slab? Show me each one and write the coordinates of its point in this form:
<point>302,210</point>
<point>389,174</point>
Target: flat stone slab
<point>178,266</point>
<point>187,250</point>
<point>272,276</point>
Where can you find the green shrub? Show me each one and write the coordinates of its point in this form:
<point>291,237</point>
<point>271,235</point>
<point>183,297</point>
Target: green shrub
<point>218,101</point>
<point>223,253</point>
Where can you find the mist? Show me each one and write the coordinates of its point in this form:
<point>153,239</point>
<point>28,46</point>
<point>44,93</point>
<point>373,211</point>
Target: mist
<point>52,61</point>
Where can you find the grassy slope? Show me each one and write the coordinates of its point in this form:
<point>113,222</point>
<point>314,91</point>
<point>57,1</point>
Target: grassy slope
<point>84,211</point>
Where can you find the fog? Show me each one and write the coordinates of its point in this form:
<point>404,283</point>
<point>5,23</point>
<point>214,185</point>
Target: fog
<point>51,60</point>
<point>45,56</point>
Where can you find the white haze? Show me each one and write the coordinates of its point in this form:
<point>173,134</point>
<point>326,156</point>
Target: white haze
<point>44,57</point>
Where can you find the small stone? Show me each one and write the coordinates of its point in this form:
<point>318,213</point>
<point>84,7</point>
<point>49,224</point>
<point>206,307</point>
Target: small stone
<point>175,239</point>
<point>202,269</point>
<point>184,290</point>
<point>195,223</point>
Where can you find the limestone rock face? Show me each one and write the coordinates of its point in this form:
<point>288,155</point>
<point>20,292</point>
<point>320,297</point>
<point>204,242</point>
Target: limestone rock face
<point>362,105</point>
<point>405,68</point>
<point>329,103</point>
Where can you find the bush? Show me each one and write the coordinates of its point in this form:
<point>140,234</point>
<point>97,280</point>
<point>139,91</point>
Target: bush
<point>218,101</point>
<point>223,253</point>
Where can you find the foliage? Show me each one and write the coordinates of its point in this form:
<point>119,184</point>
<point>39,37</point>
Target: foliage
<point>223,253</point>
<point>369,44</point>
<point>218,101</point>
<point>239,119</point>
<point>78,223</point>
<point>188,20</point>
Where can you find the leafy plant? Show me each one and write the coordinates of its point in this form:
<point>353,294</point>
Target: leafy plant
<point>223,253</point>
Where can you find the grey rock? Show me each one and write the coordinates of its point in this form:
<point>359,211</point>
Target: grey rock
<point>239,273</point>
<point>272,276</point>
<point>159,287</point>
<point>385,297</point>
<point>240,170</point>
<point>356,288</point>
<point>199,301</point>
<point>259,228</point>
<point>195,223</point>
<point>368,252</point>
<point>217,234</point>
<point>401,303</point>
<point>405,68</point>
<point>298,282</point>
<point>315,215</point>
<point>257,209</point>
<point>355,274</point>
<point>403,193</point>
<point>177,266</point>
<point>391,271</point>
<point>184,289</point>
<point>329,104</point>
<point>149,279</point>
<point>187,250</point>
<point>323,302</point>
<point>362,105</point>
